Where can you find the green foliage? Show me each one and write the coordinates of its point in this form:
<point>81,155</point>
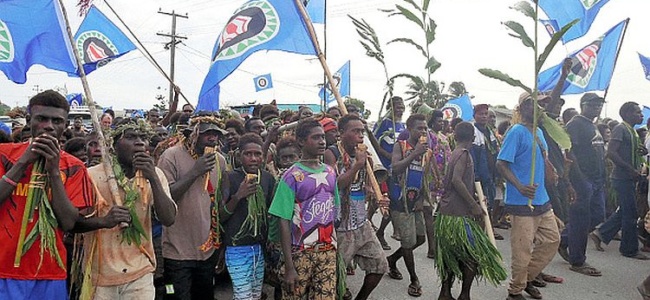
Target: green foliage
<point>554,39</point>
<point>520,33</point>
<point>525,8</point>
<point>4,109</point>
<point>496,74</point>
<point>365,113</point>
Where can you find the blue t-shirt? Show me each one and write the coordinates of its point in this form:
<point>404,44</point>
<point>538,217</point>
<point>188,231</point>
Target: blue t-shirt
<point>517,150</point>
<point>386,137</point>
<point>5,128</point>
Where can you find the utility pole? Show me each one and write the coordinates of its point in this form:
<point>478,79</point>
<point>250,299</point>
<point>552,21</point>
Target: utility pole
<point>175,39</point>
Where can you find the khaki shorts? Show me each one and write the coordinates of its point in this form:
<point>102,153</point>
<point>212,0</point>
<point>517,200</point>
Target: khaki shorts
<point>409,226</point>
<point>362,246</point>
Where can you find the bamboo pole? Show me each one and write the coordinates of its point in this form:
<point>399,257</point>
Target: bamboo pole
<point>146,53</point>
<point>106,158</point>
<point>335,91</point>
<point>486,218</point>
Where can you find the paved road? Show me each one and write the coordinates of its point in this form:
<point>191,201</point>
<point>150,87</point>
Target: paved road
<point>620,277</point>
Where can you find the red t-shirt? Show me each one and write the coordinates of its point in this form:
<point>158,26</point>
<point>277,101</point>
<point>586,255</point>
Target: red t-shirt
<point>78,187</point>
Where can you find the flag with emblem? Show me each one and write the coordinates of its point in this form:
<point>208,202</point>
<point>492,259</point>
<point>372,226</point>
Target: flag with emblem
<point>569,10</point>
<point>342,83</point>
<point>460,107</point>
<point>263,82</point>
<point>75,100</point>
<point>32,32</point>
<point>645,63</point>
<point>99,41</point>
<point>592,66</point>
<point>256,25</point>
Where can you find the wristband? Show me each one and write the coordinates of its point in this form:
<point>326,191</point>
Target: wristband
<point>225,208</point>
<point>9,181</point>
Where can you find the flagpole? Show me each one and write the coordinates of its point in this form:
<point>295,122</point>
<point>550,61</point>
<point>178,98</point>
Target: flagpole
<point>106,159</point>
<point>312,34</point>
<point>325,48</point>
<point>618,51</point>
<point>146,53</point>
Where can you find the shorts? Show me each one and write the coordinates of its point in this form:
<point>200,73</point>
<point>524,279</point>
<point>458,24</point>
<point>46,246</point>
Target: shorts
<point>139,289</point>
<point>409,226</point>
<point>33,289</point>
<point>246,267</point>
<point>316,275</point>
<point>362,246</point>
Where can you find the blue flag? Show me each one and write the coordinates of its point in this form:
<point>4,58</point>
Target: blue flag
<point>592,66</point>
<point>645,63</point>
<point>33,33</point>
<point>75,99</point>
<point>316,10</point>
<point>99,41</point>
<point>257,25</point>
<point>263,82</point>
<point>551,26</point>
<point>341,81</point>
<point>460,107</point>
<point>568,10</point>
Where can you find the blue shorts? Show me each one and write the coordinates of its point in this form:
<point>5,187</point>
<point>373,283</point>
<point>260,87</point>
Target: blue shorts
<point>33,289</point>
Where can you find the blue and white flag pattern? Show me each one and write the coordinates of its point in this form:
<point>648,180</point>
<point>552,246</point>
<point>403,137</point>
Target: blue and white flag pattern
<point>257,25</point>
<point>341,81</point>
<point>99,41</point>
<point>565,11</point>
<point>460,107</point>
<point>592,66</point>
<point>263,82</point>
<point>33,33</point>
<point>645,63</point>
<point>75,100</point>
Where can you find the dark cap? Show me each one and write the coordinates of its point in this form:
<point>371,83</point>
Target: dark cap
<point>204,127</point>
<point>591,97</point>
<point>481,107</point>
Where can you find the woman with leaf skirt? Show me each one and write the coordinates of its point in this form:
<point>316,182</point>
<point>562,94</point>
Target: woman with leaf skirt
<point>463,248</point>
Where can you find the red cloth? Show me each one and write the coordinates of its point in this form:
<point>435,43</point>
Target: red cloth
<point>80,191</point>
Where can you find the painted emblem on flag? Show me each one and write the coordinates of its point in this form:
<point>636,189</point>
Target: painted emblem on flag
<point>584,64</point>
<point>96,47</point>
<point>451,111</point>
<point>253,24</point>
<point>6,44</point>
<point>262,83</point>
<point>589,3</point>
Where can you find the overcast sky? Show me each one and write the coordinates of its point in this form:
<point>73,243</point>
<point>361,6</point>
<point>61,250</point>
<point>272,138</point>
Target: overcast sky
<point>469,36</point>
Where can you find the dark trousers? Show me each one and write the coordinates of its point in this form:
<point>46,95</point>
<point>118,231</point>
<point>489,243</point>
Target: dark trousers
<point>587,211</point>
<point>191,279</point>
<point>624,218</point>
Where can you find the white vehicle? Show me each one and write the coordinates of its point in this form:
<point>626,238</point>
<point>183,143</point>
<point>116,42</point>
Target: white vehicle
<point>84,113</point>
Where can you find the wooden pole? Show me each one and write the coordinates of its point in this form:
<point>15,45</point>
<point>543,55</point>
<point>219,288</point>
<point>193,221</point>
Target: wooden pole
<point>148,55</point>
<point>106,158</point>
<point>618,51</point>
<point>486,218</point>
<point>337,95</point>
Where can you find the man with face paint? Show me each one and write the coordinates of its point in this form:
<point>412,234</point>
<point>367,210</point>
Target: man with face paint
<point>189,244</point>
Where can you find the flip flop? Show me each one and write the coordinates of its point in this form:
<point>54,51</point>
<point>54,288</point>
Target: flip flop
<point>539,282</point>
<point>415,289</point>
<point>395,274</point>
<point>564,252</point>
<point>643,292</point>
<point>595,237</point>
<point>551,278</point>
<point>586,270</point>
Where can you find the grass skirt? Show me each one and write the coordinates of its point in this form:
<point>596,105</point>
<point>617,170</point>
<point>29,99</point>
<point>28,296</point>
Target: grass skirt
<point>460,240</point>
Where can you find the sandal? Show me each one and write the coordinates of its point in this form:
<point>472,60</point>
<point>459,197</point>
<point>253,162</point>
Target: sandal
<point>395,273</point>
<point>586,269</point>
<point>538,282</point>
<point>595,237</point>
<point>498,237</point>
<point>564,252</point>
<point>415,289</point>
<point>551,278</point>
